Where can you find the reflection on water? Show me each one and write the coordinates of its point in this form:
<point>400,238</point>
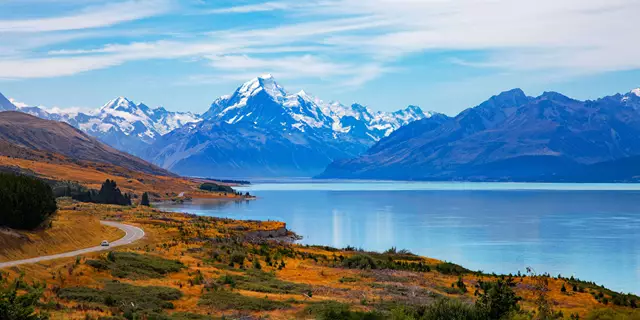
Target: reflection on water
<point>589,234</point>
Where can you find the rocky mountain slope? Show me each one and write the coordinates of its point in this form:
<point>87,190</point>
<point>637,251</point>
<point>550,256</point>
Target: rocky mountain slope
<point>508,137</point>
<point>261,130</point>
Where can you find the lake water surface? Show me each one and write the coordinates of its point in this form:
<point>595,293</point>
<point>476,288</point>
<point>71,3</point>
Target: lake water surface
<point>591,231</point>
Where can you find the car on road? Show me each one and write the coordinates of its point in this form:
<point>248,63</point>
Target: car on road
<point>104,243</point>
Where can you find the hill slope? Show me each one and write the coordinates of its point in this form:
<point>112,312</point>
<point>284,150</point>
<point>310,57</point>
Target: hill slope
<point>508,137</point>
<point>22,131</point>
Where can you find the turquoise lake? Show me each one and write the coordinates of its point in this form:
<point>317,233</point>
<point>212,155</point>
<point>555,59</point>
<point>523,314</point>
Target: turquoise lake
<point>590,231</point>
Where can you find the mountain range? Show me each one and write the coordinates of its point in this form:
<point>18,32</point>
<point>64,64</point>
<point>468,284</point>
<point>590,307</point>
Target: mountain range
<point>511,137</point>
<point>260,130</point>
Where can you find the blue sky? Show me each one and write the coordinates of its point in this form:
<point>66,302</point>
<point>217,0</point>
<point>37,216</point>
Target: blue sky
<point>443,55</point>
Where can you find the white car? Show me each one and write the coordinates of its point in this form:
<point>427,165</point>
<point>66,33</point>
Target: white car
<point>104,243</point>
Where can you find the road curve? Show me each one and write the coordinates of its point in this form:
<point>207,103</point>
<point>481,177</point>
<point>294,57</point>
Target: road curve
<point>132,234</point>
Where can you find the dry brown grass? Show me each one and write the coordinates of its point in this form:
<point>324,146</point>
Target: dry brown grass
<point>184,238</point>
<point>70,230</point>
<point>92,175</point>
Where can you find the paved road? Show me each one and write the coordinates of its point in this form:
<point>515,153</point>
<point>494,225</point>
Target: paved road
<point>132,234</point>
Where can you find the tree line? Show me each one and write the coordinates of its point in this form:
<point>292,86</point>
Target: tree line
<point>25,202</point>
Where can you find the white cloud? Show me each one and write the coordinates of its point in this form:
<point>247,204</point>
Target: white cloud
<point>260,7</point>
<point>355,41</point>
<point>90,17</point>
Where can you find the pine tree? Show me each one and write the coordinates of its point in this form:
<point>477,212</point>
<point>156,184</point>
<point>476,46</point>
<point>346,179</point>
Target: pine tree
<point>25,202</point>
<point>145,200</point>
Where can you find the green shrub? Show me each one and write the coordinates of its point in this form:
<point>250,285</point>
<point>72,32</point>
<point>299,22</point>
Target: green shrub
<point>18,301</point>
<point>25,202</point>
<point>216,188</point>
<point>190,316</point>
<point>259,281</point>
<point>126,297</point>
<point>330,310</point>
<point>497,299</point>
<point>227,300</point>
<point>136,266</point>
<point>451,268</point>
<point>238,258</point>
<point>613,314</point>
<point>359,261</point>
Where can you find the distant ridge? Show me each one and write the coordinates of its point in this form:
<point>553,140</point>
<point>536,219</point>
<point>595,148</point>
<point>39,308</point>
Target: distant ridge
<point>20,130</point>
<point>512,137</point>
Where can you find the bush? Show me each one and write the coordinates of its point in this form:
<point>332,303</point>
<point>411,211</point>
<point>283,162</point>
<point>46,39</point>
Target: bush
<point>136,266</point>
<point>329,310</point>
<point>613,314</point>
<point>128,298</point>
<point>226,300</point>
<point>25,202</point>
<point>16,303</point>
<point>451,268</point>
<point>216,188</point>
<point>259,281</point>
<point>441,309</point>
<point>359,261</point>
<point>497,299</point>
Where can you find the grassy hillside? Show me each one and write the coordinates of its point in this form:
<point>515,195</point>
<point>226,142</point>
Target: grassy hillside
<point>191,267</point>
<point>29,132</point>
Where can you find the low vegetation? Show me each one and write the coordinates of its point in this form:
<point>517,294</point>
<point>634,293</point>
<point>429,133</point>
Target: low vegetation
<point>227,300</point>
<point>213,187</point>
<point>18,300</point>
<point>25,202</point>
<point>259,281</point>
<point>132,301</point>
<point>135,266</point>
<point>191,267</point>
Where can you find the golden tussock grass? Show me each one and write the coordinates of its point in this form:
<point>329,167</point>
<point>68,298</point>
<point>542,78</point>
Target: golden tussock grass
<point>186,238</point>
<point>70,230</point>
<point>92,175</point>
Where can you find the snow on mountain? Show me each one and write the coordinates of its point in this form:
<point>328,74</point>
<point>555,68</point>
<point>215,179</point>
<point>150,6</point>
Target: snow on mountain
<point>5,104</point>
<point>137,119</point>
<point>636,91</point>
<point>120,123</point>
<point>119,115</point>
<point>263,102</point>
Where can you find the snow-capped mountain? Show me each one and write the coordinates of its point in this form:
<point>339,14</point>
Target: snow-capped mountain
<point>261,130</point>
<point>120,123</point>
<point>5,104</point>
<point>263,102</point>
<point>136,119</point>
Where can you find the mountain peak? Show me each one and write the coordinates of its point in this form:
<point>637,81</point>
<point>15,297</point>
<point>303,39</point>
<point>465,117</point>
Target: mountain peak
<point>5,104</point>
<point>510,98</point>
<point>118,103</point>
<point>636,91</point>
<point>266,83</point>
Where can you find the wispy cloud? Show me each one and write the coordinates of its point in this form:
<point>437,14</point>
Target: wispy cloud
<point>353,41</point>
<point>249,8</point>
<point>94,16</point>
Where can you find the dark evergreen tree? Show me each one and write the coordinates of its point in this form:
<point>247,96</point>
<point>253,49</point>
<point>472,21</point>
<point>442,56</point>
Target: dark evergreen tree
<point>145,200</point>
<point>25,202</point>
